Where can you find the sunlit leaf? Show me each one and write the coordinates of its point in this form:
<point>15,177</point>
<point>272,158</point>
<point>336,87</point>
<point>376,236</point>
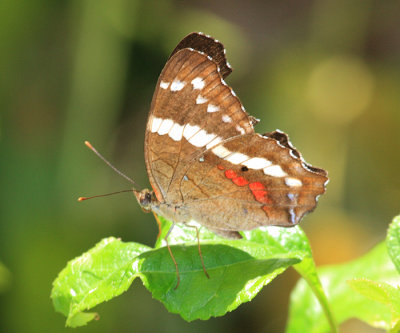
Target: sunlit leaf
<point>275,239</point>
<point>306,313</point>
<point>238,269</point>
<point>96,276</point>
<point>381,292</point>
<point>290,240</point>
<point>80,319</point>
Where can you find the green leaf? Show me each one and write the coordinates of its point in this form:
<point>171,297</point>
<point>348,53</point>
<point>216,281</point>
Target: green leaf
<point>276,239</point>
<point>184,234</point>
<point>380,292</point>
<point>393,241</point>
<point>238,269</point>
<point>97,276</point>
<point>290,240</point>
<point>81,318</point>
<point>235,277</point>
<point>305,313</point>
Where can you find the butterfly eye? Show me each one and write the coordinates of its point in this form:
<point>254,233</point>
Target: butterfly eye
<point>145,199</point>
<point>245,168</point>
<point>148,197</point>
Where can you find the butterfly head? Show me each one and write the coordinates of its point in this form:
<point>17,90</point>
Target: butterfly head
<point>146,198</point>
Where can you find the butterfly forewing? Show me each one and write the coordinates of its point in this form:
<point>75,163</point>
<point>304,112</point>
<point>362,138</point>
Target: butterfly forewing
<point>206,45</point>
<point>192,110</point>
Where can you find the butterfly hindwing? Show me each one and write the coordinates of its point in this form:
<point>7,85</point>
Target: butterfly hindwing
<point>250,181</point>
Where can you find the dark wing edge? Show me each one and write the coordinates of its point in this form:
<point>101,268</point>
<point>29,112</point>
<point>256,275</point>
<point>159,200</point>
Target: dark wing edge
<point>283,139</point>
<point>207,45</point>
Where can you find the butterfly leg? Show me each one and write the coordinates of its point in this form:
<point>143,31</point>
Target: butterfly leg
<point>172,256</point>
<point>198,245</point>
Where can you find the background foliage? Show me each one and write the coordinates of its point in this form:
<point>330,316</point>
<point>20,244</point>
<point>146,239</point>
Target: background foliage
<point>326,72</point>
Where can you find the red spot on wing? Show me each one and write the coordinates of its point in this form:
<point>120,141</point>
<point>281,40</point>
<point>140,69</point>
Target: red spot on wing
<point>220,167</point>
<point>230,174</point>
<point>237,180</point>
<point>240,181</point>
<point>259,192</point>
<point>260,196</point>
<point>256,186</point>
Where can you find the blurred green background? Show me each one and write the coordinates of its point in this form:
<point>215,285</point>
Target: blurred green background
<point>326,72</point>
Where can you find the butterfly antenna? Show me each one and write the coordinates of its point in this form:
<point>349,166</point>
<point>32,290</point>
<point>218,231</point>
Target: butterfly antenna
<point>102,195</point>
<point>89,145</point>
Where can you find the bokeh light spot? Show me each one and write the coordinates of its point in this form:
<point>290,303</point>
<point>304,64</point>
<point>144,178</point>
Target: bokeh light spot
<point>340,89</point>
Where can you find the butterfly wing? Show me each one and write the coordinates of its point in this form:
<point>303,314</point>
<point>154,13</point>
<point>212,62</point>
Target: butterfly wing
<point>251,181</point>
<point>208,46</point>
<point>203,156</point>
<point>192,110</point>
